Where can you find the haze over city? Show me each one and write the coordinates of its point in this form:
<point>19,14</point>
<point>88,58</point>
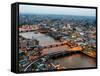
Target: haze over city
<point>33,9</point>
<point>56,38</point>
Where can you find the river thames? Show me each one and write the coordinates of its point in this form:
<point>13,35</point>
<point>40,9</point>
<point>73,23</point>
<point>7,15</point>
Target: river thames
<point>72,61</point>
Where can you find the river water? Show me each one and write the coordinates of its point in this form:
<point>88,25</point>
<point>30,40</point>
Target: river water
<point>42,38</point>
<point>73,61</point>
<point>76,61</point>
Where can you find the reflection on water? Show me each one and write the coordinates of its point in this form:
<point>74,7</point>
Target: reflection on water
<point>42,38</point>
<point>73,61</point>
<point>76,61</point>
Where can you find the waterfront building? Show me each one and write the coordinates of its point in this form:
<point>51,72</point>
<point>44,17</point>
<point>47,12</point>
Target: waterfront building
<point>32,42</point>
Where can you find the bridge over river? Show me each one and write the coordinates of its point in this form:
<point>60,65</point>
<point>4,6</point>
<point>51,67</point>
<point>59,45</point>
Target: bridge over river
<point>55,48</point>
<point>51,45</point>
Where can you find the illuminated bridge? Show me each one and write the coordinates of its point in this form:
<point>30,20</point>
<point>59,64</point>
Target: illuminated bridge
<point>62,46</point>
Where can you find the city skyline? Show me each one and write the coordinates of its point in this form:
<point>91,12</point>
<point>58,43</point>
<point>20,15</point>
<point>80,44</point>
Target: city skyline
<point>27,9</point>
<point>56,38</point>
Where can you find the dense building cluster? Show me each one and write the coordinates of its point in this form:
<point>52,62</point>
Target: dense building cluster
<point>80,30</point>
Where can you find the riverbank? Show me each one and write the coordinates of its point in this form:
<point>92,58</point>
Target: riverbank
<point>66,60</point>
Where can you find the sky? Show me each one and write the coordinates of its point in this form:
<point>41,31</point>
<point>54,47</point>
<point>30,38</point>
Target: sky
<point>34,9</point>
